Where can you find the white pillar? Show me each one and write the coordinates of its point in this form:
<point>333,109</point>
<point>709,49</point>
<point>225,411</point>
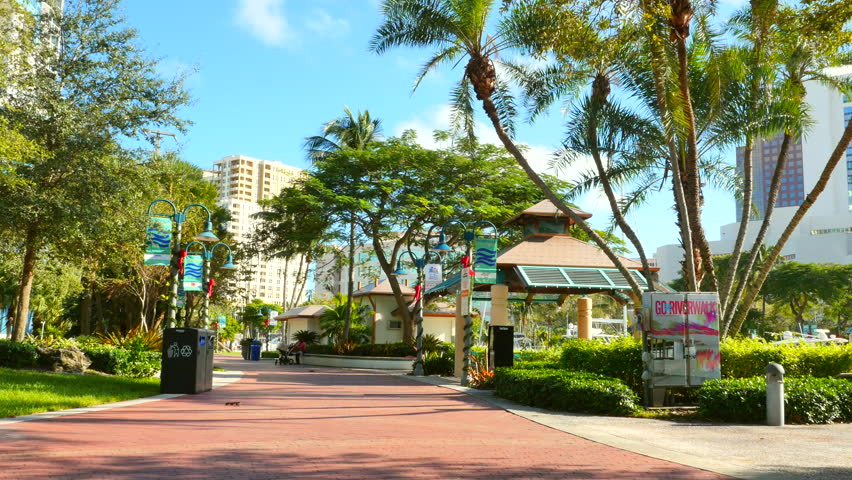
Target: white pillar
<point>500,305</point>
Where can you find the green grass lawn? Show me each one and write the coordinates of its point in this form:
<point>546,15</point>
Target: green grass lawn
<point>23,392</point>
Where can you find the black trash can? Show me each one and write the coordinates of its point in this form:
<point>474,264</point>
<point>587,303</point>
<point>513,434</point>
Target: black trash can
<point>501,345</point>
<point>187,365</point>
<point>256,345</point>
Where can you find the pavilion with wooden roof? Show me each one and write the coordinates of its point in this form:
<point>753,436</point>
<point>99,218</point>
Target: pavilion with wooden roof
<point>549,264</point>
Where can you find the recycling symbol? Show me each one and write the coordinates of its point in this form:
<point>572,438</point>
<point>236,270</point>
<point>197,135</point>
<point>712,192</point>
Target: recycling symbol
<point>186,351</point>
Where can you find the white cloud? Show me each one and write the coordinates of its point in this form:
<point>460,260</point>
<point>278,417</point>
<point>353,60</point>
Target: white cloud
<point>324,24</point>
<point>265,20</point>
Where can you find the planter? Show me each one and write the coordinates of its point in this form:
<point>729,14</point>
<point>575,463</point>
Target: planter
<point>348,361</point>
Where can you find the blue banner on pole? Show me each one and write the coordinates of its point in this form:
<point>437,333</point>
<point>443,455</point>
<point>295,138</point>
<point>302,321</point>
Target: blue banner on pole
<point>193,269</point>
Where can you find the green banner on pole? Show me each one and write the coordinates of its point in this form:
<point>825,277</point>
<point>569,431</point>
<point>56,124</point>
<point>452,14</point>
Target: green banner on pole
<point>158,242</point>
<point>485,260</point>
<point>193,268</point>
<point>181,298</point>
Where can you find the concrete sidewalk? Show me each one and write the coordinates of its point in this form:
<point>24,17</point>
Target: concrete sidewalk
<point>314,423</point>
<point>792,452</point>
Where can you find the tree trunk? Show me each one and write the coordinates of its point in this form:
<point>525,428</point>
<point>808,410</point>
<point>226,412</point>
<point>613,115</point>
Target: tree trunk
<point>745,214</point>
<point>99,312</point>
<point>19,327</point>
<point>350,284</point>
<point>610,195</point>
<point>692,177</point>
<point>774,188</point>
<point>684,221</point>
<point>838,153</point>
<point>86,307</point>
<point>491,111</point>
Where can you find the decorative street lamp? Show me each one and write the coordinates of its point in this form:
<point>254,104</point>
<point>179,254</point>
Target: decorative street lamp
<point>419,263</point>
<point>443,248</point>
<point>160,234</point>
<point>207,282</point>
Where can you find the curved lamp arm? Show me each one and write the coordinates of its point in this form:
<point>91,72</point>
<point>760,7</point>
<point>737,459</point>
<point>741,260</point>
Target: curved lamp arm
<point>174,208</point>
<point>207,235</point>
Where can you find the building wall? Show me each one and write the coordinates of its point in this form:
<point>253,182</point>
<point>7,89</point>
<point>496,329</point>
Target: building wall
<point>241,182</point>
<point>825,233</point>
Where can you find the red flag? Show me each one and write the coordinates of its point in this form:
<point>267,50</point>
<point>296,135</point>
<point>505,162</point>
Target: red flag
<point>418,290</point>
<point>210,284</point>
<point>181,257</point>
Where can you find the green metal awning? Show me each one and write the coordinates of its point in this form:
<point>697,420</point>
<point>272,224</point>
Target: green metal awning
<point>576,277</point>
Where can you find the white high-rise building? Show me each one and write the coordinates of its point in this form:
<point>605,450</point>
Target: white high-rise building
<point>242,182</point>
<point>825,233</point>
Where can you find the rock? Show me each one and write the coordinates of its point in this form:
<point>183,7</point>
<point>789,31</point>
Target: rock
<point>66,359</point>
<point>847,376</point>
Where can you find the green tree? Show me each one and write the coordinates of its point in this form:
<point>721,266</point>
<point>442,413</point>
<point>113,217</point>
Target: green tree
<point>74,98</point>
<point>333,321</point>
<point>802,285</point>
<point>357,133</point>
<point>457,30</point>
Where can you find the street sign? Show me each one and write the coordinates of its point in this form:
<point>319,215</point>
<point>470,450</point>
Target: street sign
<point>464,293</point>
<point>433,275</point>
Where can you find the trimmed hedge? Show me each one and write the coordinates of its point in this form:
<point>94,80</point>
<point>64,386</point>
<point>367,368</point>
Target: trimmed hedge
<point>126,363</point>
<point>745,358</point>
<point>17,354</point>
<point>399,349</point>
<point>565,391</point>
<point>537,365</point>
<point>621,359</point>
<point>807,400</point>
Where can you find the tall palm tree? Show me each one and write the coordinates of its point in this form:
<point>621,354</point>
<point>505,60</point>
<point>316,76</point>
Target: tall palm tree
<point>355,132</point>
<point>457,29</point>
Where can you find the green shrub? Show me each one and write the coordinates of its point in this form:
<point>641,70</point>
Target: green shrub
<point>440,363</point>
<point>544,355</point>
<point>538,365</point>
<point>126,363</point>
<point>733,400</point>
<point>745,358</point>
<point>17,354</point>
<point>565,391</point>
<point>621,359</point>
<point>399,349</point>
<point>269,354</point>
<point>807,400</point>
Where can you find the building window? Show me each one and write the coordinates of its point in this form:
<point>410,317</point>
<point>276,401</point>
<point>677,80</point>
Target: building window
<point>394,324</point>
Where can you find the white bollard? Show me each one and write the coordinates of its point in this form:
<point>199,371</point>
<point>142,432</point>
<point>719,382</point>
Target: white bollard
<point>775,395</point>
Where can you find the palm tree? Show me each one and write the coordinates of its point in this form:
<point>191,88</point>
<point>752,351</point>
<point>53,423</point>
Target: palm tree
<point>457,29</point>
<point>348,131</point>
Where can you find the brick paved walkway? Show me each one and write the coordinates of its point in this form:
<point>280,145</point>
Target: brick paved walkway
<point>314,423</point>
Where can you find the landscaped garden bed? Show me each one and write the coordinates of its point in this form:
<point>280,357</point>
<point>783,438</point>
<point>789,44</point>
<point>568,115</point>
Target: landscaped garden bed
<point>605,378</point>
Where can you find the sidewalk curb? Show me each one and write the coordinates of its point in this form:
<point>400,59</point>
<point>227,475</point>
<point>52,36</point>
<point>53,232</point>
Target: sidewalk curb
<point>220,379</point>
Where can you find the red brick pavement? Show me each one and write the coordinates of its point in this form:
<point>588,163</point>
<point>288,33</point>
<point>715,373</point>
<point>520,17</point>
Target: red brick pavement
<point>314,423</point>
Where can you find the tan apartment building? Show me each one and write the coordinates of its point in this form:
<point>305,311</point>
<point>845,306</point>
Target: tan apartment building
<point>242,182</point>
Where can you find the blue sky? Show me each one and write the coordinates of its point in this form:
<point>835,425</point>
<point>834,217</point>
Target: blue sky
<point>268,73</point>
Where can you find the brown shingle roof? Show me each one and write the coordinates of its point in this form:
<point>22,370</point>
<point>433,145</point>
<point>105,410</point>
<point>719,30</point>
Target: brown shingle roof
<point>545,208</point>
<point>306,311</point>
<point>383,288</point>
<point>558,251</point>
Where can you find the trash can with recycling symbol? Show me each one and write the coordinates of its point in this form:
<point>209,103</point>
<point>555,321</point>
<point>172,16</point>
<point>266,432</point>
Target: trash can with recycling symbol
<point>187,362</point>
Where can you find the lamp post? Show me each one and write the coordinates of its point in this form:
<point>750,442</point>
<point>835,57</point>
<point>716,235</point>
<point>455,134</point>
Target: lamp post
<point>178,218</point>
<point>419,263</point>
<point>205,272</point>
<point>442,248</point>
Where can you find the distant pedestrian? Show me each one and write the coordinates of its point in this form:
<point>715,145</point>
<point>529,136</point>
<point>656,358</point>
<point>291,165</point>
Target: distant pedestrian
<point>298,350</point>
